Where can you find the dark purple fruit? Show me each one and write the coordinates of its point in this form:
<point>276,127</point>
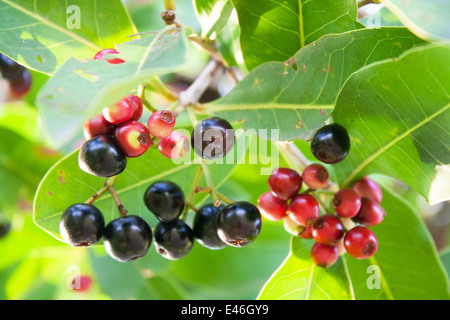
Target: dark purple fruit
<point>9,68</point>
<point>127,238</point>
<point>5,227</point>
<point>174,239</point>
<point>81,225</point>
<point>165,199</point>
<point>205,227</point>
<point>330,144</point>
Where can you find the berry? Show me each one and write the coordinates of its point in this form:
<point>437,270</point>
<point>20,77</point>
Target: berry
<point>20,86</point>
<point>82,283</point>
<point>324,255</point>
<point>127,238</point>
<point>96,126</point>
<point>175,146</point>
<point>5,227</point>
<point>161,123</point>
<point>360,242</point>
<point>239,223</point>
<point>81,225</point>
<point>120,112</point>
<point>102,53</point>
<point>370,214</point>
<point>133,138</point>
<point>369,189</point>
<point>212,138</point>
<point>165,199</point>
<point>304,209</point>
<point>297,230</point>
<point>316,176</point>
<point>138,108</point>
<point>328,229</point>
<point>331,143</point>
<point>9,68</point>
<point>205,227</point>
<point>284,183</point>
<point>174,239</point>
<point>271,207</point>
<point>346,203</point>
<point>101,156</point>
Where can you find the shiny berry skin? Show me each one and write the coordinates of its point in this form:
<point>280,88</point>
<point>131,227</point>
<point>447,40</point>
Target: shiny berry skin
<point>101,156</point>
<point>165,199</point>
<point>120,112</point>
<point>324,255</point>
<point>138,108</point>
<point>346,203</point>
<point>133,138</point>
<point>328,229</point>
<point>205,227</point>
<point>369,189</point>
<point>82,283</point>
<point>81,225</point>
<point>297,230</point>
<point>102,53</point>
<point>316,176</point>
<point>173,240</point>
<point>5,227</point>
<point>285,183</point>
<point>161,123</point>
<point>304,209</point>
<point>20,86</point>
<point>175,146</point>
<point>370,214</point>
<point>360,242</point>
<point>97,126</point>
<point>330,143</point>
<point>239,224</point>
<point>212,138</point>
<point>127,238</point>
<point>271,207</point>
<point>9,68</point>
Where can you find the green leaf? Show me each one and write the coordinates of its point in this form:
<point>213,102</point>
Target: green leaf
<point>426,18</point>
<point>81,89</point>
<point>396,271</point>
<point>43,35</point>
<point>296,98</point>
<point>276,30</point>
<point>397,115</point>
<point>213,15</point>
<point>381,18</point>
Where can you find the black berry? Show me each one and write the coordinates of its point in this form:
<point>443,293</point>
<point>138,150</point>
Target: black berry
<point>81,225</point>
<point>331,143</point>
<point>165,199</point>
<point>5,227</point>
<point>205,227</point>
<point>102,157</point>
<point>239,223</point>
<point>173,240</point>
<point>9,68</point>
<point>127,238</point>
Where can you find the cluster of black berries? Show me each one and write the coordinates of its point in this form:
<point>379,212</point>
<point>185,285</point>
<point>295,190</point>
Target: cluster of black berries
<point>18,76</point>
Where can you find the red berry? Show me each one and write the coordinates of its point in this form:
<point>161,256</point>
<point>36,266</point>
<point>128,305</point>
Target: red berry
<point>316,176</point>
<point>328,229</point>
<point>82,283</point>
<point>285,183</point>
<point>133,138</point>
<point>307,232</point>
<point>161,123</point>
<point>174,146</point>
<point>346,203</point>
<point>304,209</point>
<point>369,189</point>
<point>360,242</point>
<point>96,126</point>
<point>370,214</point>
<point>272,207</point>
<point>102,53</point>
<point>138,108</point>
<point>120,112</point>
<point>324,255</point>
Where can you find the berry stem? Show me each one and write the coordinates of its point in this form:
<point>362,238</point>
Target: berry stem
<point>321,203</point>
<point>294,153</point>
<point>145,103</point>
<point>157,85</point>
<point>212,189</point>
<point>99,193</point>
<point>190,198</point>
<point>169,4</point>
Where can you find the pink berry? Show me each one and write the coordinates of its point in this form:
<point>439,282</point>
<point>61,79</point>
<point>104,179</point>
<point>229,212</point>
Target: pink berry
<point>347,203</point>
<point>316,176</point>
<point>102,53</point>
<point>324,255</point>
<point>174,146</point>
<point>360,242</point>
<point>370,214</point>
<point>271,207</point>
<point>161,123</point>
<point>369,189</point>
<point>120,112</point>
<point>138,108</point>
<point>82,284</point>
<point>328,229</point>
<point>133,138</point>
<point>304,209</point>
<point>96,126</point>
<point>285,183</point>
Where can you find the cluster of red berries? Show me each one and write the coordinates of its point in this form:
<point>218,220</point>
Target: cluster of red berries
<point>18,76</point>
<point>347,230</point>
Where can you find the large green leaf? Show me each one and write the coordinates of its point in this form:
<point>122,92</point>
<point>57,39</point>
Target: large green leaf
<point>213,15</point>
<point>276,30</point>
<point>397,114</point>
<point>297,98</point>
<point>80,89</point>
<point>426,18</point>
<point>406,264</point>
<point>40,34</point>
